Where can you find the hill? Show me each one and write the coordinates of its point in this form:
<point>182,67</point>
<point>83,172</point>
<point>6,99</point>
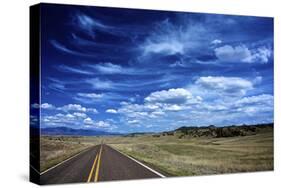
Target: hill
<point>218,132</point>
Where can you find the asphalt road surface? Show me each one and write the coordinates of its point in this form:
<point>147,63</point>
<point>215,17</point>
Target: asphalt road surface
<point>98,163</point>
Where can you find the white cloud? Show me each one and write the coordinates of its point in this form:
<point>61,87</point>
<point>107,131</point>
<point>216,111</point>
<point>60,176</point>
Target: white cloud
<point>241,53</point>
<point>102,124</point>
<point>66,68</point>
<point>263,99</point>
<point>255,105</point>
<point>75,120</point>
<point>177,96</point>
<point>88,121</point>
<point>91,98</point>
<point>108,68</point>
<point>216,42</point>
<point>73,107</point>
<point>90,95</point>
<point>169,47</point>
<point>225,85</point>
<point>47,106</point>
<point>77,108</point>
<point>88,23</point>
<point>101,84</point>
<point>93,110</point>
<point>78,114</point>
<point>261,55</point>
<point>62,120</point>
<point>159,104</point>
<point>257,80</point>
<point>173,107</point>
<point>134,121</point>
<point>233,54</point>
<point>170,39</point>
<point>112,111</point>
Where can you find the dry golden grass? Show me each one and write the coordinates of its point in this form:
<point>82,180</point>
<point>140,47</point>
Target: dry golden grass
<point>200,156</point>
<point>55,149</point>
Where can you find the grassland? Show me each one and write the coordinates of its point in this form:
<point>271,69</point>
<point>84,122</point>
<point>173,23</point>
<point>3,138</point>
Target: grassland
<point>55,149</point>
<point>172,154</point>
<point>200,156</point>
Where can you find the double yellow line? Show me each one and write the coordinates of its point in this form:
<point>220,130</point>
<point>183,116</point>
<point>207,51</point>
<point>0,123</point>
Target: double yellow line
<point>96,161</point>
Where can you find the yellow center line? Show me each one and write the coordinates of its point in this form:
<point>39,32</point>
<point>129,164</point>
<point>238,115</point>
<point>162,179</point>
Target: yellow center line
<point>92,170</point>
<point>98,165</point>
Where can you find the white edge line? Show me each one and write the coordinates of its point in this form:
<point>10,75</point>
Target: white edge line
<point>65,161</point>
<point>154,171</point>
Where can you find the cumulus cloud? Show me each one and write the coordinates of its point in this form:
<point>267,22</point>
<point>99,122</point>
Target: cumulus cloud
<point>102,124</point>
<point>88,121</point>
<point>75,120</point>
<point>159,104</point>
<point>173,107</point>
<point>62,120</point>
<point>241,53</point>
<point>112,111</point>
<point>225,85</point>
<point>72,107</point>
<point>232,54</point>
<point>177,96</point>
<point>261,55</point>
<point>264,99</point>
<point>216,42</point>
<point>134,121</point>
<point>78,114</point>
<point>47,106</point>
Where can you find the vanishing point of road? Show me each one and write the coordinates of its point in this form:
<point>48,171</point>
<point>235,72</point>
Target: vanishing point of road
<point>97,163</point>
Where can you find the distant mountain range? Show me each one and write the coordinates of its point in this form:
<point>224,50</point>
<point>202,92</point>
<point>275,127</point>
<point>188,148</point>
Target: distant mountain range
<point>74,132</point>
<point>209,131</point>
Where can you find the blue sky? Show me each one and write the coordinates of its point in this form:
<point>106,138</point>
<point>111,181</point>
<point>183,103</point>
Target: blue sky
<point>126,70</point>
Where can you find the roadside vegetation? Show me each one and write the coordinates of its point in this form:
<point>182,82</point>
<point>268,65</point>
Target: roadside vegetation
<point>55,149</point>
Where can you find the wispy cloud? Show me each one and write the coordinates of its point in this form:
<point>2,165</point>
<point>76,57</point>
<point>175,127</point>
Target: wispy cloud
<point>170,39</point>
<point>110,68</point>
<point>101,98</point>
<point>65,49</point>
<point>88,23</point>
<point>70,69</point>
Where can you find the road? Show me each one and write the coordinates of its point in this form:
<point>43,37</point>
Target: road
<point>98,163</point>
